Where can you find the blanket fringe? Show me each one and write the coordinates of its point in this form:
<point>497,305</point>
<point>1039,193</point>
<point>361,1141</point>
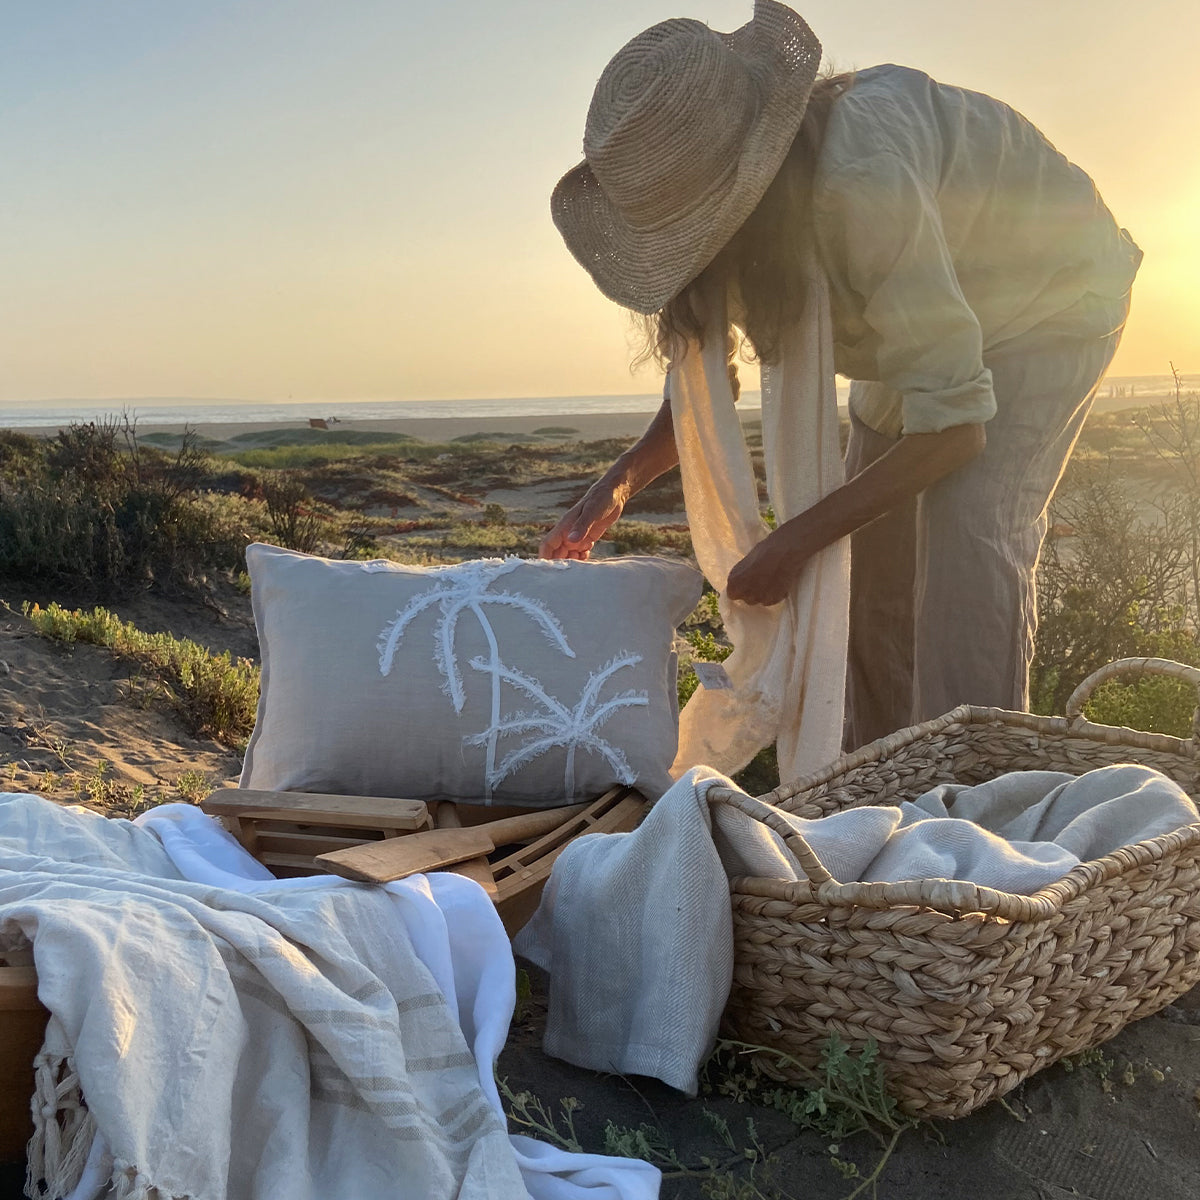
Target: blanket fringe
<point>63,1129</point>
<point>128,1183</point>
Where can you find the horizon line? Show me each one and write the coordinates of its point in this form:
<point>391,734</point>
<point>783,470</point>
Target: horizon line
<point>1183,376</point>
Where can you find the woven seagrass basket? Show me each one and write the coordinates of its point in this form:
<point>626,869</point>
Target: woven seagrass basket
<point>966,990</point>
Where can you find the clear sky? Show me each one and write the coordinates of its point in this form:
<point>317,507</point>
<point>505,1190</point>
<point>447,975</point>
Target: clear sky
<point>265,199</point>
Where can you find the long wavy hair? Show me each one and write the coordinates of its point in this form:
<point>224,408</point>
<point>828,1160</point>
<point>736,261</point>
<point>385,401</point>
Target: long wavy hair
<point>762,262</point>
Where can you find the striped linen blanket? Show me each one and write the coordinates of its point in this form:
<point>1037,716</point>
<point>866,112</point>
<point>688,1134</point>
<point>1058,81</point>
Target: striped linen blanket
<point>205,1042</point>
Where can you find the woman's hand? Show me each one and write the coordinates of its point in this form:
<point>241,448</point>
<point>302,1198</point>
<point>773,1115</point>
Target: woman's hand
<point>585,524</point>
<point>767,574</point>
<point>590,519</point>
<point>915,462</point>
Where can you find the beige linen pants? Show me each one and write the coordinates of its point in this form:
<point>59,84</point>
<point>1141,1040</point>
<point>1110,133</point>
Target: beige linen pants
<point>942,596</point>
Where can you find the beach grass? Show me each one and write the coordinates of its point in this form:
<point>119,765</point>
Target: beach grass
<point>216,694</point>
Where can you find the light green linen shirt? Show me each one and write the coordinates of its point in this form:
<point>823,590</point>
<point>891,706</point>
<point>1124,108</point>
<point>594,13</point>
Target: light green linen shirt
<point>948,225</point>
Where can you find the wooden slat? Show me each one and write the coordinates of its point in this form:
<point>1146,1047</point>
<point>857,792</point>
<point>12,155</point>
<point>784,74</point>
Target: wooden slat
<point>24,1028</point>
<point>360,812</point>
<point>397,858</point>
<point>310,844</point>
<point>292,863</point>
<point>478,813</point>
<point>478,869</point>
<point>521,877</point>
<point>18,989</point>
<point>446,816</point>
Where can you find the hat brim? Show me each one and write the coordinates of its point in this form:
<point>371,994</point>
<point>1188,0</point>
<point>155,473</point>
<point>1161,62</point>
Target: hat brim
<point>644,269</point>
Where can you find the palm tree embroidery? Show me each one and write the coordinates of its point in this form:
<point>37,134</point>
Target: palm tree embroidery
<point>573,729</point>
<point>457,590</point>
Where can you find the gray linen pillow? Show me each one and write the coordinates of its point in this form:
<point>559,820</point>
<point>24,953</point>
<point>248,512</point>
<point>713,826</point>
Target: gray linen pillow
<point>495,681</point>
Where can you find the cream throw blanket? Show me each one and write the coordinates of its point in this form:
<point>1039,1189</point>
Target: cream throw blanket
<point>288,1043</point>
<point>788,667</point>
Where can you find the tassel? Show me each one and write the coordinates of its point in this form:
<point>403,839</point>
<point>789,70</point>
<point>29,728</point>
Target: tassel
<point>63,1129</point>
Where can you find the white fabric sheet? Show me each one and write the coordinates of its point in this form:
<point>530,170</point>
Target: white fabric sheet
<point>788,667</point>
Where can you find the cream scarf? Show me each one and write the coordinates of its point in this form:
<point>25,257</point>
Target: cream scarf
<point>788,668</point>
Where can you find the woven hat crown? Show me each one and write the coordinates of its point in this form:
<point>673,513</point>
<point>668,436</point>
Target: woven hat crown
<point>667,121</point>
<point>686,129</point>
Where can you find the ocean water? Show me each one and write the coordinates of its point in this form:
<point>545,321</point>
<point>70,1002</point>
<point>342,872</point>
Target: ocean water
<point>50,414</point>
<point>556,409</point>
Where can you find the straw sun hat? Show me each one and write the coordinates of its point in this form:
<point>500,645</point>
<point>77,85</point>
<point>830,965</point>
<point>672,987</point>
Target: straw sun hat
<point>686,130</point>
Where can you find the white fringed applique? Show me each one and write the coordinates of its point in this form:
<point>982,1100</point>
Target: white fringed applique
<point>468,588</point>
<point>558,726</point>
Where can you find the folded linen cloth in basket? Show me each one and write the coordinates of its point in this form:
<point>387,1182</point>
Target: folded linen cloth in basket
<point>636,932</point>
<point>219,1033</point>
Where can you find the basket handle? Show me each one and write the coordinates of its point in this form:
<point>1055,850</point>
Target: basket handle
<point>1132,666</point>
<point>774,820</point>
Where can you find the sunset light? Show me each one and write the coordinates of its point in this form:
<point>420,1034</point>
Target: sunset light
<point>263,203</point>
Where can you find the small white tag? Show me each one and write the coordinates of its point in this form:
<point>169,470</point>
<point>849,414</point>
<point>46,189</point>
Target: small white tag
<point>713,676</point>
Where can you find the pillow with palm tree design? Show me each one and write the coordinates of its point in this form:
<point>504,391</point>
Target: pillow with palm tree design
<point>503,681</point>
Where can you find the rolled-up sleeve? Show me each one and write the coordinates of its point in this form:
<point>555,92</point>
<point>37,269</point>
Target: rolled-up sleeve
<point>880,223</point>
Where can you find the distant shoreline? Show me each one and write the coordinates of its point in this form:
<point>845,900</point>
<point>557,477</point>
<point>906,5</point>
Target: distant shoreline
<point>585,426</point>
<point>590,425</point>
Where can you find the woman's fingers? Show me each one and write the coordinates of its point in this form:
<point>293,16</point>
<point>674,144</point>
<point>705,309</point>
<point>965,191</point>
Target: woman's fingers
<point>579,529</point>
<point>554,544</point>
<point>766,574</point>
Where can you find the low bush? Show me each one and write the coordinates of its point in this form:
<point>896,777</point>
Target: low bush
<point>1120,574</point>
<point>92,510</point>
<point>217,696</point>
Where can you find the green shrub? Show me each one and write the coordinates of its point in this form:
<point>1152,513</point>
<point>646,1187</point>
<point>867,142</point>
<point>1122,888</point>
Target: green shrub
<point>216,695</point>
<point>635,537</point>
<point>94,510</point>
<point>1155,704</point>
<point>293,522</point>
<point>1111,584</point>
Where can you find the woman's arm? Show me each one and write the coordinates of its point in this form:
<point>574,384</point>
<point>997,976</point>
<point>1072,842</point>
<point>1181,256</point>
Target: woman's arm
<point>588,521</point>
<point>766,574</point>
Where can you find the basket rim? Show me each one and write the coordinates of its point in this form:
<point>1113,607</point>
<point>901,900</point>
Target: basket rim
<point>958,898</point>
<point>974,714</point>
<point>953,897</point>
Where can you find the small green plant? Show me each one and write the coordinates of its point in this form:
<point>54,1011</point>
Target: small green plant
<point>293,521</point>
<point>524,1001</point>
<point>647,1142</point>
<point>193,786</point>
<point>215,694</point>
<point>702,647</point>
<point>527,1112</point>
<point>846,1096</point>
<point>106,793</point>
